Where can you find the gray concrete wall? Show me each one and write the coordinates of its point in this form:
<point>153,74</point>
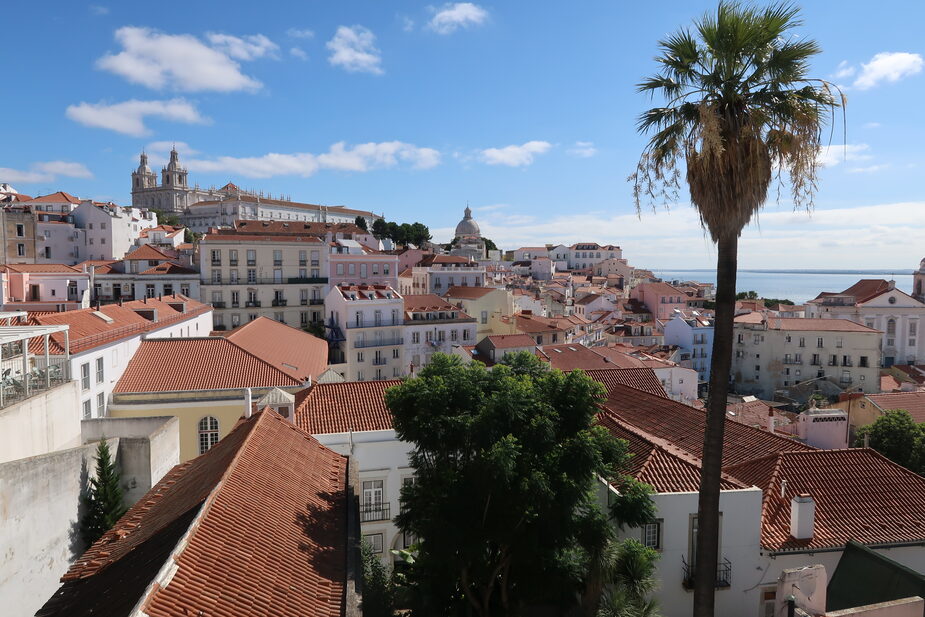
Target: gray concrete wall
<point>148,449</point>
<point>43,423</point>
<point>39,513</point>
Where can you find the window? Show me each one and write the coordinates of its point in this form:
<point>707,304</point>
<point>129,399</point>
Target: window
<point>340,268</point>
<point>465,335</point>
<point>251,257</point>
<point>802,342</point>
<point>374,540</point>
<point>208,433</point>
<point>101,404</point>
<point>233,257</point>
<point>652,535</point>
<point>351,269</point>
<point>21,249</point>
<point>359,356</point>
<point>820,342</point>
<point>85,375</point>
<point>385,269</point>
<point>395,353</point>
<point>251,277</point>
<point>277,258</point>
<point>484,317</point>
<point>913,328</point>
<point>20,230</point>
<point>216,257</point>
<point>87,409</point>
<point>891,327</point>
<point>99,370</point>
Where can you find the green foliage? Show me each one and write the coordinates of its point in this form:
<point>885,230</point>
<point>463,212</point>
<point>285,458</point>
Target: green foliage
<point>378,587</point>
<point>316,328</point>
<point>753,295</point>
<point>360,222</point>
<point>405,233</point>
<point>489,244</point>
<point>102,502</point>
<point>631,574</point>
<point>506,464</point>
<point>167,218</point>
<point>898,437</point>
<point>747,295</point>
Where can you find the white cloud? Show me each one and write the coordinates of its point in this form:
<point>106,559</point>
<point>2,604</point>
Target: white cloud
<point>407,24</point>
<point>248,47</point>
<point>300,33</point>
<point>582,149</point>
<point>843,70</point>
<point>47,171</point>
<point>98,9</point>
<point>177,61</point>
<point>339,157</point>
<point>128,117</point>
<point>888,67</point>
<point>515,156</point>
<point>870,169</point>
<point>298,52</point>
<point>830,156</point>
<point>872,125</point>
<point>354,49</point>
<point>450,17</point>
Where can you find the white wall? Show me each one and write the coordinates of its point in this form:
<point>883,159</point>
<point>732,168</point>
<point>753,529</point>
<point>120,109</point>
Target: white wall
<point>43,423</point>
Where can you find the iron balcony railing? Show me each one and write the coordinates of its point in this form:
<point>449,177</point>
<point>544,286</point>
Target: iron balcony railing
<point>380,361</point>
<point>374,323</point>
<point>252,303</point>
<point>723,573</point>
<point>218,304</point>
<point>378,342</point>
<point>279,302</point>
<point>370,512</point>
<point>271,280</point>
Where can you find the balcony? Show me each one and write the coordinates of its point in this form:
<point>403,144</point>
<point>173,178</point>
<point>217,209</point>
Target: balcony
<point>235,304</point>
<point>279,302</point>
<point>723,574</point>
<point>793,361</point>
<point>233,262</point>
<point>252,262</point>
<point>815,363</point>
<point>307,280</point>
<point>216,262</point>
<point>370,512</point>
<point>373,323</point>
<point>277,262</point>
<point>252,303</point>
<point>218,305</point>
<point>386,342</point>
<point>316,301</point>
<point>303,263</point>
<point>380,361</point>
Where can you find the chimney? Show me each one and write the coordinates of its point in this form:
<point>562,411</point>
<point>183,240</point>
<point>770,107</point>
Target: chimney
<point>770,420</point>
<point>247,403</point>
<point>802,516</point>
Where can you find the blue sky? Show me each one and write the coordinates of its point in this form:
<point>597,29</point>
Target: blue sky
<point>525,110</point>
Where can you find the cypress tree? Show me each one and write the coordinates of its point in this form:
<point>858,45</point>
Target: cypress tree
<point>103,504</point>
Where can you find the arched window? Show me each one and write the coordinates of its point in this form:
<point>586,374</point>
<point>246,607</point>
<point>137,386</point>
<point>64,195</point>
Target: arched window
<point>891,327</point>
<point>208,433</point>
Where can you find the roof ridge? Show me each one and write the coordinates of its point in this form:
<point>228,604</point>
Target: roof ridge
<point>258,358</point>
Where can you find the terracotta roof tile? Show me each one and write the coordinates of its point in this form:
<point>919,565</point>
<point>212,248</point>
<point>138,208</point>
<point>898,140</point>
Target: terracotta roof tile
<point>510,341</point>
<point>295,352</point>
<point>41,268</point>
<point>184,364</point>
<point>167,268</point>
<point>913,402</point>
<point>643,379</point>
<point>684,426</point>
<point>265,514</point>
<point>149,252</point>
<point>415,303</point>
<point>59,197</point>
<point>658,463</point>
<point>572,356</point>
<point>343,407</point>
<point>859,495</point>
<point>468,293</point>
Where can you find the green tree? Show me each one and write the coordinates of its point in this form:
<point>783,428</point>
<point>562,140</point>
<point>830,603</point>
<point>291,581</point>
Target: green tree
<point>418,234</point>
<point>505,464</point>
<point>360,222</point>
<point>378,588</point>
<point>898,437</point>
<point>738,108</point>
<point>747,295</point>
<point>490,245</point>
<point>630,568</point>
<point>380,228</point>
<point>102,502</point>
<point>167,218</point>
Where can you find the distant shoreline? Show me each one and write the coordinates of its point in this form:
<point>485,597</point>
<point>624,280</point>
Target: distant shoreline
<point>902,272</point>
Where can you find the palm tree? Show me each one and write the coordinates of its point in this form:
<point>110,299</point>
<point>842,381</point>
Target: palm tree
<point>630,569</point>
<point>739,111</point>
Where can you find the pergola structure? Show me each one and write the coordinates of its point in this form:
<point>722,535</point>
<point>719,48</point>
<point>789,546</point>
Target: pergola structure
<point>21,382</point>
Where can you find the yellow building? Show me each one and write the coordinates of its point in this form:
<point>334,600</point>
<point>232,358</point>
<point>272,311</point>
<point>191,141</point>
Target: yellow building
<point>206,382</point>
<point>487,304</point>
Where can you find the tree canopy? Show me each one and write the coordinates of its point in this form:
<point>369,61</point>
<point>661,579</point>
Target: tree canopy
<point>897,436</point>
<point>360,222</point>
<point>401,234</point>
<point>503,503</point>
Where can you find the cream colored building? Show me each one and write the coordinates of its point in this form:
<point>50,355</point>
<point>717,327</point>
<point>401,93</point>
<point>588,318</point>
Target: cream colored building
<point>487,305</point>
<point>245,276</point>
<point>772,354</point>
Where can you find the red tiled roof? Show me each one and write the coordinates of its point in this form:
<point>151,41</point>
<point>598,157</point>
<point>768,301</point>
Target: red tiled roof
<point>824,325</point>
<point>468,293</point>
<point>167,268</point>
<point>658,463</point>
<point>572,356</point>
<point>282,228</point>
<point>40,268</point>
<point>859,495</point>
<point>343,407</point>
<point>415,303</point>
<point>913,402</point>
<point>103,266</point>
<point>150,252</point>
<point>59,197</point>
<point>295,352</point>
<point>184,364</point>
<point>684,426</point>
<point>510,341</point>
<point>619,359</point>
<point>535,324</point>
<point>867,289</point>
<point>265,522</point>
<point>643,379</point>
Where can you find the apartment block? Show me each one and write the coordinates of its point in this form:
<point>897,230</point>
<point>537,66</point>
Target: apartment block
<point>438,273</point>
<point>434,325</point>
<point>365,327</point>
<point>772,354</point>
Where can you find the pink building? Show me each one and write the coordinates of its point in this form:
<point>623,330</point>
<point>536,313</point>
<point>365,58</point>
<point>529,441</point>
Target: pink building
<point>660,298</point>
<point>353,263</point>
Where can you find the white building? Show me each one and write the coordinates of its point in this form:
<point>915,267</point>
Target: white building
<point>365,326</point>
<point>877,304</point>
<point>693,333</point>
<point>44,287</point>
<point>110,231</point>
<point>438,273</point>
<point>434,325</point>
<point>583,255</point>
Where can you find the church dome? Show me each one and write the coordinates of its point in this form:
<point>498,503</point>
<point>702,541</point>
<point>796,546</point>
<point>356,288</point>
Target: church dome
<point>468,226</point>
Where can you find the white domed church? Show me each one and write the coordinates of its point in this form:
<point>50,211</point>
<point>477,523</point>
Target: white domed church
<point>470,243</point>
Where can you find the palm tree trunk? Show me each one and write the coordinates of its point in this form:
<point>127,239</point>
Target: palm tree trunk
<point>708,511</point>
